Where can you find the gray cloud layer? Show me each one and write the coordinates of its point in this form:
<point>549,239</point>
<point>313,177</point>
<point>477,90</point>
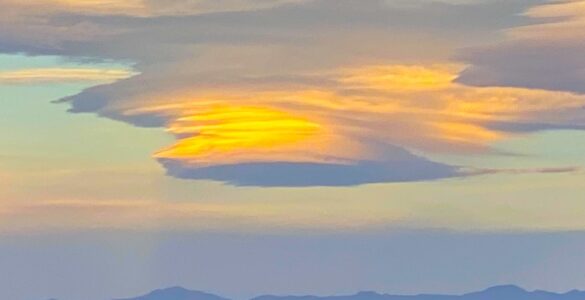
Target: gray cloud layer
<point>544,55</point>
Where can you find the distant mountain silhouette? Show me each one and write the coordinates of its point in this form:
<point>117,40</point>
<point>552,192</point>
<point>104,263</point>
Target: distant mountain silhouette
<point>177,293</point>
<point>504,292</point>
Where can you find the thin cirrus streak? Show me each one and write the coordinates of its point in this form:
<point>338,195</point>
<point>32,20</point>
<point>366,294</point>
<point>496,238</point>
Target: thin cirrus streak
<point>140,215</point>
<point>143,8</point>
<point>353,120</point>
<point>89,6</point>
<point>55,75</point>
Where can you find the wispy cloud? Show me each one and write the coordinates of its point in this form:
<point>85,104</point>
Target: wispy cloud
<point>557,170</point>
<point>62,75</point>
<point>152,215</point>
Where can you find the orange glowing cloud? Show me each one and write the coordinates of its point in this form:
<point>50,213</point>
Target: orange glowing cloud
<point>231,134</point>
<point>401,77</point>
<point>255,130</point>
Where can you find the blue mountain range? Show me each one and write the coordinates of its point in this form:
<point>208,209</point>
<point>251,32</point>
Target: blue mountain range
<point>505,292</point>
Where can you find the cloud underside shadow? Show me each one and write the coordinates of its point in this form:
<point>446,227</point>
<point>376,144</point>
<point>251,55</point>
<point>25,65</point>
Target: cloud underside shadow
<point>287,174</point>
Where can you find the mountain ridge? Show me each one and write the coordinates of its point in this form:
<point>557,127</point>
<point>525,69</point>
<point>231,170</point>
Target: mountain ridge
<point>501,292</point>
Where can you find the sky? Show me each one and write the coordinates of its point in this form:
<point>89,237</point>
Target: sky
<point>290,146</point>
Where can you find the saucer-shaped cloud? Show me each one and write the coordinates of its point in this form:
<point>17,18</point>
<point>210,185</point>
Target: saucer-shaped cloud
<point>346,127</point>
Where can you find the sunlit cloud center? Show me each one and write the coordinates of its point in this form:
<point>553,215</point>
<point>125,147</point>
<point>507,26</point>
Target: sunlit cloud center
<point>231,134</point>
